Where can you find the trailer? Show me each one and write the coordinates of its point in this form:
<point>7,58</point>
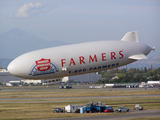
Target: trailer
<point>73,108</point>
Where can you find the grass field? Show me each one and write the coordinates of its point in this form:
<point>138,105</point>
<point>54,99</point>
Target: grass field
<point>42,108</point>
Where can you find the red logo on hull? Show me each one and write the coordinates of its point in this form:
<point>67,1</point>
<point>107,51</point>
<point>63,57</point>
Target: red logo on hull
<point>43,64</point>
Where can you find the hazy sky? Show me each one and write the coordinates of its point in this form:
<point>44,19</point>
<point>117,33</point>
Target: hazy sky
<point>75,21</point>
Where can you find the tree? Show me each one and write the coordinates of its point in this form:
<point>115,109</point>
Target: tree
<point>149,73</point>
<point>145,69</point>
<point>131,75</point>
<point>123,70</point>
<point>155,77</point>
<point>100,81</point>
<point>138,74</point>
<point>106,81</point>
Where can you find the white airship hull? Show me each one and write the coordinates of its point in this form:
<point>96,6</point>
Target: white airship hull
<point>77,59</point>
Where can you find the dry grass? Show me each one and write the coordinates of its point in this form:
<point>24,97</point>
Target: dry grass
<point>44,110</point>
<point>40,110</point>
<point>43,92</point>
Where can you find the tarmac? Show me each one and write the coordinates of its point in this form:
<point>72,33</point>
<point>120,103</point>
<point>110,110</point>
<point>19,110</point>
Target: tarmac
<point>130,115</point>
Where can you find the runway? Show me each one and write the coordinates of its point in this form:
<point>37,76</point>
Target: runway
<point>130,115</point>
<point>20,100</point>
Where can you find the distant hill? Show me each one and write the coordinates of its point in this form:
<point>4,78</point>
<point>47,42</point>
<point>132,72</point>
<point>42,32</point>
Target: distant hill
<point>154,61</point>
<point>16,42</point>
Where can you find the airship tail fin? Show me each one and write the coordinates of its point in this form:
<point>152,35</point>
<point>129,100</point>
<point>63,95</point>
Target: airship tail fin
<point>131,37</point>
<point>138,57</point>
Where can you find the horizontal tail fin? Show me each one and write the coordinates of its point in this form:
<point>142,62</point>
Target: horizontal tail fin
<point>131,36</point>
<point>138,57</point>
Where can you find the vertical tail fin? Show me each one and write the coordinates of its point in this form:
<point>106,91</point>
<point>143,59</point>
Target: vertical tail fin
<point>131,36</point>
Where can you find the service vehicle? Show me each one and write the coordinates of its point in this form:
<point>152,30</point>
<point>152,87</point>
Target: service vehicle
<point>108,109</point>
<point>61,87</point>
<point>73,108</point>
<point>68,86</point>
<point>122,109</point>
<point>138,107</point>
<point>57,110</point>
<point>94,107</point>
<point>65,86</point>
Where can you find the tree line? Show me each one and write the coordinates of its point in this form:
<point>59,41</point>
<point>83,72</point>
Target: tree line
<point>129,75</point>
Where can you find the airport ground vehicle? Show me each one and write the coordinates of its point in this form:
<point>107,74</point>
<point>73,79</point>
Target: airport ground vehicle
<point>109,109</point>
<point>57,110</point>
<point>138,107</point>
<point>94,107</point>
<point>99,86</point>
<point>65,86</point>
<point>73,108</point>
<point>122,109</point>
<point>68,86</point>
<point>61,87</point>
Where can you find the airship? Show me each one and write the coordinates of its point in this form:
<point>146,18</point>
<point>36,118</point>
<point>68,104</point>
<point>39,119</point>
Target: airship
<point>81,58</point>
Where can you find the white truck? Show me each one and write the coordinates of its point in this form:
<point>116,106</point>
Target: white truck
<point>72,108</point>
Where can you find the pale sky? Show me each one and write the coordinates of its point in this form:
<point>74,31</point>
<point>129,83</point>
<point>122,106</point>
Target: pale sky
<point>75,21</point>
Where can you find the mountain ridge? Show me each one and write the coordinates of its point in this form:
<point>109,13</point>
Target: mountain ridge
<point>16,42</point>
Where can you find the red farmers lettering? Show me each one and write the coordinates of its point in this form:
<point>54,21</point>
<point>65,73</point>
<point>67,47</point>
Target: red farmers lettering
<point>120,53</point>
<point>62,62</point>
<point>113,55</point>
<point>92,59</point>
<point>72,62</point>
<point>104,57</point>
<point>81,59</point>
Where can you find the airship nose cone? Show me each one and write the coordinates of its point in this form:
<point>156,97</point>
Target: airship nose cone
<point>12,68</point>
<point>18,67</point>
